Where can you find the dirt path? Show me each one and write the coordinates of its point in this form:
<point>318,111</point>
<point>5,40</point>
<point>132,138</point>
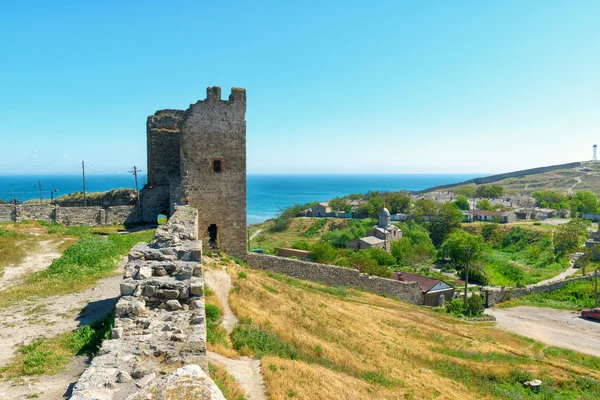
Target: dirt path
<point>245,370</point>
<point>41,259</point>
<point>561,328</point>
<point>220,282</point>
<point>578,181</point>
<point>50,317</point>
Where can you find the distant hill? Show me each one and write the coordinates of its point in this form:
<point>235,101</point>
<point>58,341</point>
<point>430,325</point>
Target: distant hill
<point>563,178</point>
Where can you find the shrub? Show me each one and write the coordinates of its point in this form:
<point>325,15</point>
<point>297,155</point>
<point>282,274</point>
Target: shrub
<point>475,276</point>
<point>474,306</point>
<point>455,307</point>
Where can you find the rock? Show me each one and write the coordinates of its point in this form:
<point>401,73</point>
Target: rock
<point>179,337</point>
<point>196,319</point>
<point>135,255</point>
<point>127,287</point>
<point>168,293</point>
<point>140,371</point>
<point>159,271</point>
<point>123,377</point>
<point>129,306</point>
<point>196,304</point>
<point>117,333</point>
<point>173,305</point>
<point>534,385</point>
<point>146,380</point>
<point>197,287</point>
<point>166,328</point>
<point>144,273</point>
<point>149,290</point>
<point>129,271</point>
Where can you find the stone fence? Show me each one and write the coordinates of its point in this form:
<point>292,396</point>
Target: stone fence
<point>90,216</point>
<point>497,295</point>
<point>337,276</point>
<point>159,323</point>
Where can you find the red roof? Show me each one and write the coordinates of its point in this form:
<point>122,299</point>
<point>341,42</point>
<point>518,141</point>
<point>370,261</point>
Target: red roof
<point>425,282</point>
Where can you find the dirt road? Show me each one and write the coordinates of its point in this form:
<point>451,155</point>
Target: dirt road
<point>561,328</point>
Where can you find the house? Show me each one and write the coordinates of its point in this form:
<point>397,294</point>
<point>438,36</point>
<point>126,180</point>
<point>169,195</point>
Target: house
<point>399,217</point>
<point>321,210</point>
<point>468,217</point>
<point>289,253</point>
<point>435,291</point>
<point>592,217</point>
<point>366,242</point>
<point>523,213</point>
<point>380,236</point>
<point>501,216</point>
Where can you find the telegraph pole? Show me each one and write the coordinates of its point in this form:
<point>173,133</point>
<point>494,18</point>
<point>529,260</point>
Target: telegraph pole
<point>84,196</point>
<point>40,187</point>
<point>135,172</point>
<point>12,198</point>
<point>467,275</point>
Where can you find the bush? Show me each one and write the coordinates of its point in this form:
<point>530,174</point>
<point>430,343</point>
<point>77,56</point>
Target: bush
<point>474,307</point>
<point>322,252</point>
<point>455,307</point>
<point>475,276</point>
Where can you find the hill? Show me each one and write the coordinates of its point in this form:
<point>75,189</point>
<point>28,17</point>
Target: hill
<point>336,343</point>
<point>565,179</point>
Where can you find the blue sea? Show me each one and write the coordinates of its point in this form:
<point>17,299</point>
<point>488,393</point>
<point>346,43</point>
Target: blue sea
<point>267,194</point>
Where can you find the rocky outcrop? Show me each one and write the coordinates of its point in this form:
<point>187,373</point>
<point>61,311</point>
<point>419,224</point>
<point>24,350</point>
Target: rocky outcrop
<point>159,322</point>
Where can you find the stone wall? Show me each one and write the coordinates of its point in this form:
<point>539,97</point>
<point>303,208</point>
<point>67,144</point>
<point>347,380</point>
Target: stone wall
<point>89,216</point>
<point>497,295</point>
<point>496,178</point>
<point>159,318</point>
<point>212,131</point>
<point>337,276</point>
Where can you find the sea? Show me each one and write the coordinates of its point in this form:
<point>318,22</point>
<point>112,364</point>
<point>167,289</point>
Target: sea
<point>266,194</point>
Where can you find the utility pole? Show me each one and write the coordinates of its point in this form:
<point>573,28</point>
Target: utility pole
<point>40,187</point>
<point>84,196</point>
<point>467,275</point>
<point>137,190</point>
<point>12,198</point>
<point>52,195</point>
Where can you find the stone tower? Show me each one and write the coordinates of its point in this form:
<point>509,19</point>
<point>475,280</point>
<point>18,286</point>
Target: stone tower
<point>198,157</point>
<point>213,168</point>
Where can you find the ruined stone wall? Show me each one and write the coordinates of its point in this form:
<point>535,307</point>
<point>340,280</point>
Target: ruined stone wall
<point>159,319</point>
<point>215,130</point>
<point>8,213</point>
<point>89,216</point>
<point>337,276</point>
<point>497,295</point>
<point>162,141</point>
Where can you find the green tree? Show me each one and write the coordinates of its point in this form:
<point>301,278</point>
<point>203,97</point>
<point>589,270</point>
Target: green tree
<point>447,220</point>
<point>467,191</point>
<point>549,197</point>
<point>585,202</point>
<point>461,245</point>
<point>489,191</point>
<point>322,252</point>
<point>340,204</point>
<point>374,205</point>
<point>415,247</point>
<point>462,203</point>
<point>569,237</point>
<point>425,208</point>
<point>398,202</point>
<point>484,204</point>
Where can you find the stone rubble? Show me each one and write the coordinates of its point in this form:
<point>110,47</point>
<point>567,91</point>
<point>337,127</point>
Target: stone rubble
<point>159,322</point>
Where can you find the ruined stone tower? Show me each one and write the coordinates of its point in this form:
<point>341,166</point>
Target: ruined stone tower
<point>198,157</point>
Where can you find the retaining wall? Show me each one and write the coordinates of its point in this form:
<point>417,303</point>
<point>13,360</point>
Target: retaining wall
<point>337,276</point>
<point>159,321</point>
<point>90,216</point>
<point>497,295</point>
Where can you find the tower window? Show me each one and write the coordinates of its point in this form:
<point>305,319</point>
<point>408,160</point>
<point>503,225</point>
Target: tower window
<point>217,165</point>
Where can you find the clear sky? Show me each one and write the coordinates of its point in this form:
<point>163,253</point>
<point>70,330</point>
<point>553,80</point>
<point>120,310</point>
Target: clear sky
<point>332,86</point>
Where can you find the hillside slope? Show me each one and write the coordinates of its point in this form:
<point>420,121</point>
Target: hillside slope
<point>335,343</point>
<point>585,176</point>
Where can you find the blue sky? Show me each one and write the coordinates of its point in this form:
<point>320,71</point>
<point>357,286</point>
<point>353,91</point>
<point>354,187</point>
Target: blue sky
<point>333,87</point>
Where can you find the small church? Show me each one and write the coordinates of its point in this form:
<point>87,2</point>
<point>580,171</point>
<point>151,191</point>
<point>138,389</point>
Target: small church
<point>380,236</point>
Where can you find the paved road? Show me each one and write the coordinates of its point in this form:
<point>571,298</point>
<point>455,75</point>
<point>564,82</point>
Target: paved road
<point>561,328</point>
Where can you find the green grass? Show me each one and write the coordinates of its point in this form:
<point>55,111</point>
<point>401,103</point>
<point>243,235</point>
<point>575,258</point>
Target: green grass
<point>574,296</point>
<point>80,266</point>
<point>50,356</point>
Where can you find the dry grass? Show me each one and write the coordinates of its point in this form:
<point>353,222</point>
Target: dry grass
<point>351,345</point>
<point>230,388</point>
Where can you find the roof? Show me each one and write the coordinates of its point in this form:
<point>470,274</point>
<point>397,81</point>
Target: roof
<point>488,212</point>
<point>426,283</point>
<point>384,212</point>
<point>372,240</point>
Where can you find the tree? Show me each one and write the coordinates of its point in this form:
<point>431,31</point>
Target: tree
<point>462,203</point>
<point>425,208</point>
<point>549,197</point>
<point>584,202</point>
<point>489,191</point>
<point>322,252</point>
<point>374,205</point>
<point>447,220</point>
<point>458,242</point>
<point>339,204</point>
<point>398,202</point>
<point>467,191</point>
<point>569,237</point>
<point>484,204</point>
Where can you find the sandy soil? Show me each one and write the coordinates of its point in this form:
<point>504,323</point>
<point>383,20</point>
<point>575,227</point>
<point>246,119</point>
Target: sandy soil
<point>40,260</point>
<point>245,370</point>
<point>561,328</point>
<point>50,317</point>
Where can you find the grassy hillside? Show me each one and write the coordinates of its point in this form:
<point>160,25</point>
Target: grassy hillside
<point>560,180</point>
<point>335,343</point>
